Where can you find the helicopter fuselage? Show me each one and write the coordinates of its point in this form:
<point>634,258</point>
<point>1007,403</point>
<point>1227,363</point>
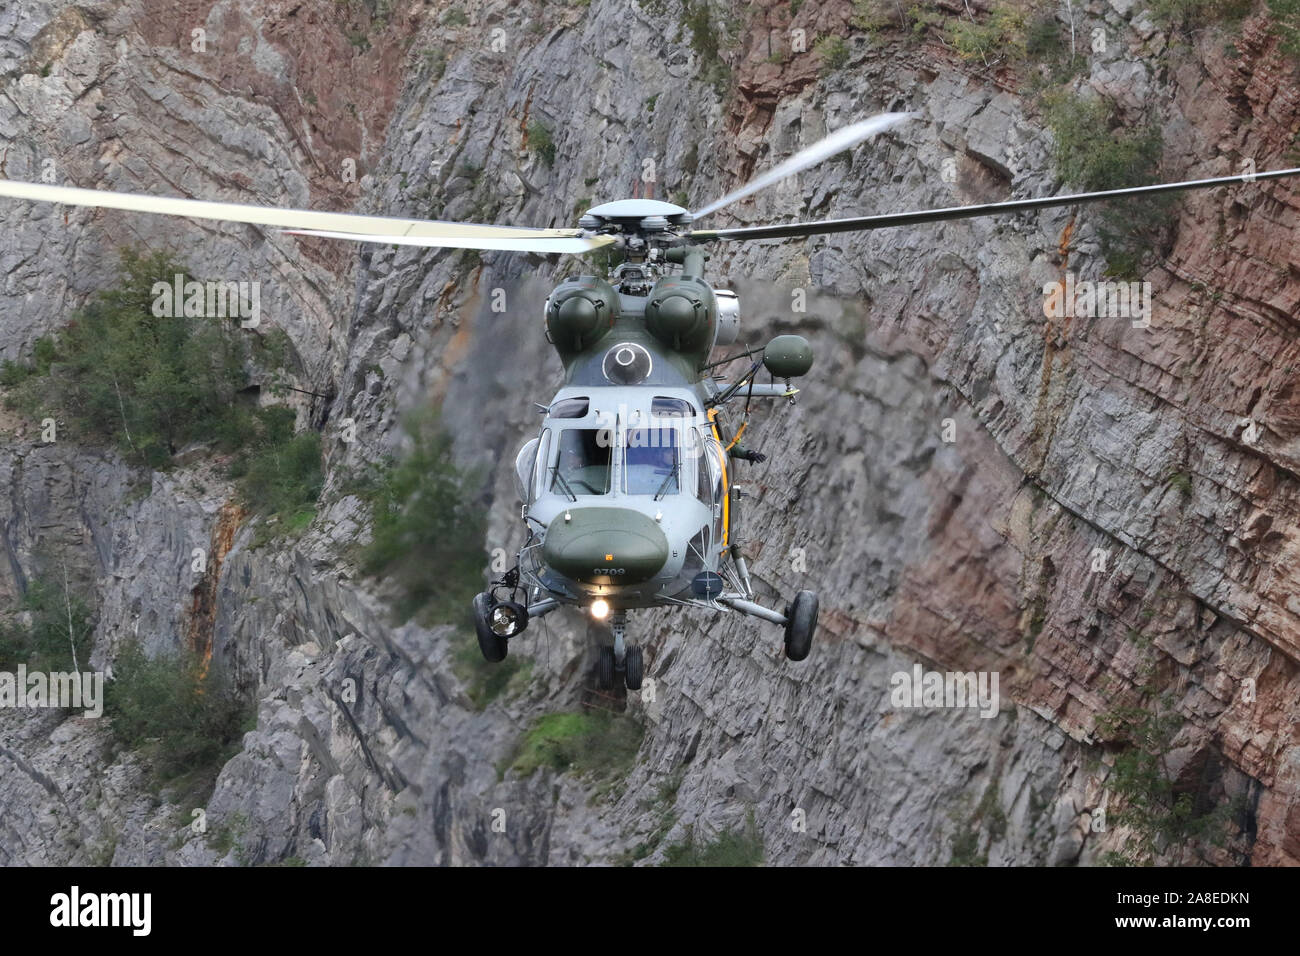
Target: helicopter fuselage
<point>627,491</point>
<point>626,494</point>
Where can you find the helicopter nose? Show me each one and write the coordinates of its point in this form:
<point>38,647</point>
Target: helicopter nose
<point>605,546</point>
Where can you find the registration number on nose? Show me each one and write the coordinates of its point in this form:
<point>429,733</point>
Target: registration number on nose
<point>607,570</point>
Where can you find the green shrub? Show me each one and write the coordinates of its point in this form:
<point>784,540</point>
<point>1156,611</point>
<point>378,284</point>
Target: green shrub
<point>13,373</point>
<point>923,18</point>
<point>665,818</point>
<point>148,384</point>
<point>597,743</point>
<point>428,526</point>
<point>1199,13</point>
<point>541,142</point>
<point>1181,481</point>
<point>1008,34</point>
<point>989,817</point>
<point>1047,46</point>
<point>1092,150</point>
<point>435,60</point>
<point>965,848</point>
<point>229,835</point>
<point>44,352</point>
<point>49,627</point>
<point>1095,152</point>
<point>704,36</point>
<point>738,846</point>
<point>279,472</point>
<point>873,16</point>
<point>180,710</point>
<point>833,52</point>
<point>1002,36</point>
<point>1286,25</point>
<point>1148,799</point>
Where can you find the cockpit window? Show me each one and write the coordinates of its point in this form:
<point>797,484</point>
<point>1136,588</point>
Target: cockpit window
<point>570,408</point>
<point>652,462</point>
<point>583,464</point>
<point>678,407</point>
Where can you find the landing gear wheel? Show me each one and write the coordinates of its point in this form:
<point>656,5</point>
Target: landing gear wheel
<point>605,668</point>
<point>492,644</point>
<point>635,666</point>
<point>800,625</point>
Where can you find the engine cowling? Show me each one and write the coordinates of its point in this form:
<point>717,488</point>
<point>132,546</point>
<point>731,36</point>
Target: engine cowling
<point>579,311</point>
<point>682,313</point>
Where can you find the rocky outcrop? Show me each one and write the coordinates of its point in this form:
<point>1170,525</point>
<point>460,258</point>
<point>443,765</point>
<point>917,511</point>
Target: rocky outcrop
<point>1081,506</point>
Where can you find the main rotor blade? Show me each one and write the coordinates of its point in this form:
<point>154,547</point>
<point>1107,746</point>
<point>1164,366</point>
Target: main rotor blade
<point>425,232</point>
<point>824,226</point>
<point>545,244</point>
<point>836,142</point>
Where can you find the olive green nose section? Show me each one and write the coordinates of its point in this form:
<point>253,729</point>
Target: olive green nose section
<point>605,546</point>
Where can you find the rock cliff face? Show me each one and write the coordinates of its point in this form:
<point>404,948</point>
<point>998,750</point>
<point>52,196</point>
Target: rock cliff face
<point>1114,502</point>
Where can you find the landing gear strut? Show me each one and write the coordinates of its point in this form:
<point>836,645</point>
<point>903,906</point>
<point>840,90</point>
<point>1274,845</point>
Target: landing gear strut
<point>799,619</point>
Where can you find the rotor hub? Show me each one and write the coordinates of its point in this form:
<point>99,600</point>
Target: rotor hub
<point>643,230</point>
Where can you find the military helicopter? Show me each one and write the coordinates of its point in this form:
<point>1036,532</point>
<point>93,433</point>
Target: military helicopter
<point>629,495</point>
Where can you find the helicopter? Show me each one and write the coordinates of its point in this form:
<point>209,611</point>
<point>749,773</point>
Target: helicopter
<point>629,493</point>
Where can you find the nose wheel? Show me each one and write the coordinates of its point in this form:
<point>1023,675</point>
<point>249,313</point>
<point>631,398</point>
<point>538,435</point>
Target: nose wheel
<point>621,660</point>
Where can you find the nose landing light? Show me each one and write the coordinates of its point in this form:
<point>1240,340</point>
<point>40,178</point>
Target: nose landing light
<point>507,619</point>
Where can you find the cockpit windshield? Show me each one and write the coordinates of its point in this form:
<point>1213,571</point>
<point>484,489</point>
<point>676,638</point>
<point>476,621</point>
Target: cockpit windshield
<point>583,465</point>
<point>652,462</point>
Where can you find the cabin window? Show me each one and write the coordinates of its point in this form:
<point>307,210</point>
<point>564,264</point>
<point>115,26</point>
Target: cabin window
<point>674,407</point>
<point>652,462</point>
<point>570,408</point>
<point>582,466</point>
